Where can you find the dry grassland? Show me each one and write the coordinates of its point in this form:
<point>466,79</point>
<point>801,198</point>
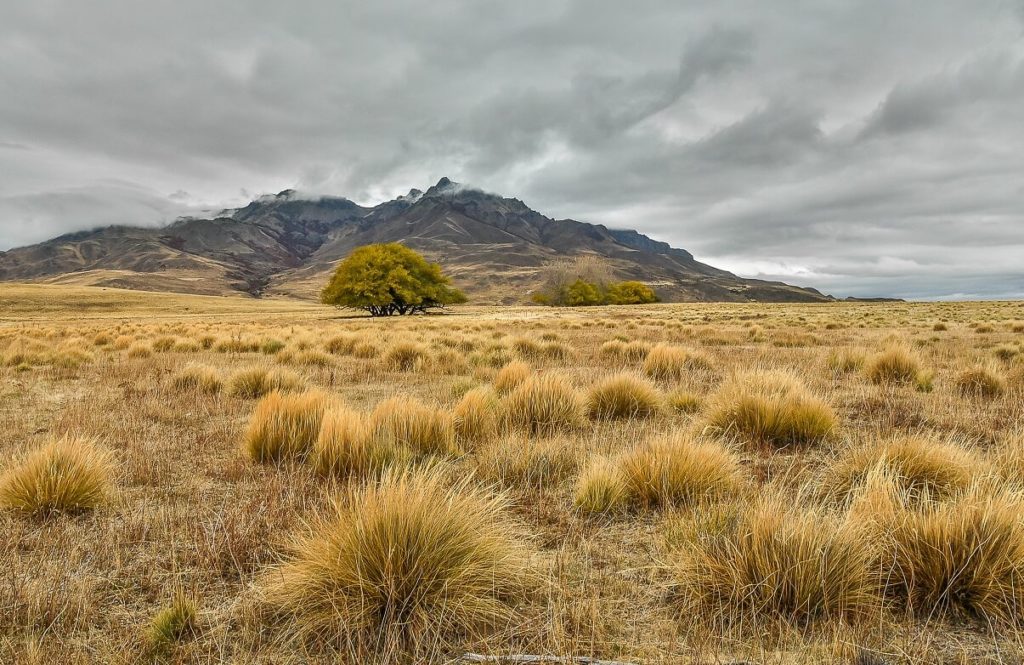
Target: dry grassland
<point>208,480</point>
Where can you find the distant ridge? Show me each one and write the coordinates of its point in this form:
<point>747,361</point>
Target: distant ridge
<point>283,244</point>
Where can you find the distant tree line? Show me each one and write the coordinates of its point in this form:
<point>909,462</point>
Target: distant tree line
<point>588,280</point>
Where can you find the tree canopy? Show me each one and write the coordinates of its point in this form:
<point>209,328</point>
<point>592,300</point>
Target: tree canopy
<point>389,278</point>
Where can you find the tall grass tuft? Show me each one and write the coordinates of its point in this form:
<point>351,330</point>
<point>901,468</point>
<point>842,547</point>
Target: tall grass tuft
<point>409,567</point>
<point>477,415</point>
<point>623,396</point>
<point>510,376</point>
<point>66,476</point>
<point>285,426</point>
<point>770,407</point>
<point>666,362</point>
<point>980,381</point>
<point>771,558</point>
<point>344,446</point>
<point>897,365</point>
<point>200,378</point>
<point>406,422</point>
<point>545,403</point>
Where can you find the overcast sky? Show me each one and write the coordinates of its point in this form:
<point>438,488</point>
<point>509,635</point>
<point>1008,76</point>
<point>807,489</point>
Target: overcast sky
<point>862,147</point>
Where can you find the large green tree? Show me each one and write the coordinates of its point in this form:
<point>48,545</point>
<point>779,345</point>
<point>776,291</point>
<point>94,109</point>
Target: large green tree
<point>389,278</point>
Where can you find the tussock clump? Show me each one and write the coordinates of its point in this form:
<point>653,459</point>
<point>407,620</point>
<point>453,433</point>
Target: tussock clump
<point>256,382</point>
<point>545,403</point>
<point>406,357</point>
<point>174,623</point>
<point>601,487</point>
<point>770,407</point>
<point>845,361</point>
<point>341,344</point>
<point>102,339</point>
<point>919,467</point>
<point>405,421</point>
<point>70,358</point>
<point>528,462</point>
<point>980,381</point>
<point>164,344</point>
<point>312,358</point>
<point>344,446</point>
<point>201,378</point>
<point>623,396</point>
<point>897,365</point>
<point>269,347</point>
<point>365,350</point>
<point>139,350</point>
<point>666,362</point>
<point>510,376</point>
<point>677,470</point>
<point>285,426</point>
<point>477,415</point>
<point>662,472</point>
<point>410,566</point>
<point>66,476</point>
<point>683,401</point>
<point>625,351</point>
<point>962,557</point>
<point>771,557</point>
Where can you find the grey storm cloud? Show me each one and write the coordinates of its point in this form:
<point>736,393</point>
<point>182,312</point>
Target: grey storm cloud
<point>863,148</point>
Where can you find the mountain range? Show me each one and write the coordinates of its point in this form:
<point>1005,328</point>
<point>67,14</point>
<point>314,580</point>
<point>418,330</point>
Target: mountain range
<point>286,245</point>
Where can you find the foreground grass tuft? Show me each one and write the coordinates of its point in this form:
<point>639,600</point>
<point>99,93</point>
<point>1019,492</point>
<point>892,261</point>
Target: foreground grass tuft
<point>66,476</point>
<point>285,426</point>
<point>412,565</point>
<point>623,396</point>
<point>545,403</point>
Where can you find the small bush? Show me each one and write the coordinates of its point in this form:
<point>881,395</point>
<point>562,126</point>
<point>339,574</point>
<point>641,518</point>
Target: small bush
<point>510,376</point>
<point>545,403</point>
<point>771,408</point>
<point>411,566</point>
<point>669,363</point>
<point>772,557</point>
<point>66,476</point>
<point>980,382</point>
<point>405,421</point>
<point>285,426</point>
<point>200,378</point>
<point>477,415</point>
<point>623,396</point>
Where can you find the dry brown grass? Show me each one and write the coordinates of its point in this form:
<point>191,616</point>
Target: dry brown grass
<point>285,426</point>
<point>620,510</point>
<point>623,396</point>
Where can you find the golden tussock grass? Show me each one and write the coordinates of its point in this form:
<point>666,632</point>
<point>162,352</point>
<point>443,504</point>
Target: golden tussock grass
<point>344,446</point>
<point>963,557</point>
<point>406,357</point>
<point>770,407</point>
<point>897,365</point>
<point>407,568</point>
<point>518,461</point>
<point>201,378</point>
<point>770,557</point>
<point>623,396</point>
<point>684,401</point>
<point>980,381</point>
<point>510,376</point>
<point>177,621</point>
<point>662,472</point>
<point>66,476</point>
<point>254,382</point>
<point>545,403</point>
<point>406,421</point>
<point>666,362</point>
<point>477,415</point>
<point>285,426</point>
<point>920,467</point>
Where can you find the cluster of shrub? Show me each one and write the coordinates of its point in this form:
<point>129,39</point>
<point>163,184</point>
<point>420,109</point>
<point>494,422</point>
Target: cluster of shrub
<point>583,293</point>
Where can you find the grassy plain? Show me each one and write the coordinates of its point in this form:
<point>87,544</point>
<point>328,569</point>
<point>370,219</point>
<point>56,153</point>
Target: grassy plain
<point>216,479</point>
